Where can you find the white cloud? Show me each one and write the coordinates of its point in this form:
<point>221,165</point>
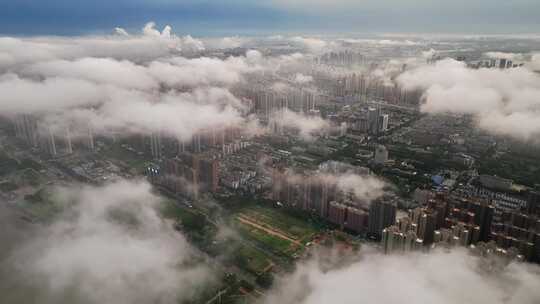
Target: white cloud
<point>127,87</point>
<point>302,79</point>
<point>177,115</point>
<point>100,70</point>
<point>226,42</point>
<point>364,187</point>
<point>381,42</point>
<point>314,45</point>
<point>504,55</point>
<point>307,126</point>
<point>108,246</point>
<point>19,95</point>
<point>149,45</point>
<point>496,97</point>
<point>437,277</point>
<point>120,31</point>
<point>179,71</point>
<point>535,62</point>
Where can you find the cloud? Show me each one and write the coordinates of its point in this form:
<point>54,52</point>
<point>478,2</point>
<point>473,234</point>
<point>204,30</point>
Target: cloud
<point>364,188</point>
<point>380,42</point>
<point>535,62</point>
<point>307,126</point>
<point>108,245</point>
<point>177,115</point>
<point>127,87</point>
<point>313,45</point>
<point>504,55</point>
<point>149,45</point>
<point>19,95</point>
<point>123,73</point>
<point>497,98</point>
<point>437,277</point>
<point>203,71</point>
<point>120,31</point>
<point>302,79</point>
<point>226,42</point>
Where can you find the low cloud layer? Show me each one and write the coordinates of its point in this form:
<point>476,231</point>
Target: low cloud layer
<point>109,245</point>
<point>437,277</point>
<point>363,187</point>
<point>307,126</point>
<point>504,102</point>
<point>123,83</point>
<point>147,45</point>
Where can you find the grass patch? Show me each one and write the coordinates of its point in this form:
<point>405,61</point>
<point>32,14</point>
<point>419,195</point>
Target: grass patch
<point>129,158</point>
<point>293,227</point>
<point>277,244</point>
<point>251,259</point>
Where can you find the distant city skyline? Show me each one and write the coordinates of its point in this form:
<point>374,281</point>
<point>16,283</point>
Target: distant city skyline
<point>242,17</point>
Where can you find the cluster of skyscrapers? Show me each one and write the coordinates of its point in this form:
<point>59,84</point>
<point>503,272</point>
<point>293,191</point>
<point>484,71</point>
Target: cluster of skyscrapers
<point>319,194</point>
<point>458,221</point>
<point>53,142</point>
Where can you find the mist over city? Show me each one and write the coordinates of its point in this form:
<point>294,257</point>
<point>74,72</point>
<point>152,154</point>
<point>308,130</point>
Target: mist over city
<point>275,152</point>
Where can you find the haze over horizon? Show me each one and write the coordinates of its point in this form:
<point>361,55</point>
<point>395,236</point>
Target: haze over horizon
<point>242,17</point>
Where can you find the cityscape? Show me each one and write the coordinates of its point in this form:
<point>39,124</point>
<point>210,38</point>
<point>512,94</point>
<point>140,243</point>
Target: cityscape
<point>267,162</point>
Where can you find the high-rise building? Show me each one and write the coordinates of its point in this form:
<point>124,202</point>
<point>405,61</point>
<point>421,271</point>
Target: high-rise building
<point>483,217</point>
<point>90,139</point>
<point>337,213</point>
<point>394,240</point>
<point>208,175</point>
<point>533,203</point>
<point>322,193</point>
<point>381,155</point>
<point>155,145</point>
<point>472,213</point>
<point>521,231</point>
<point>502,63</point>
<point>383,123</point>
<point>26,129</point>
<point>69,147</point>
<point>357,219</point>
<point>373,120</point>
<point>381,215</point>
<point>426,227</point>
<point>49,142</point>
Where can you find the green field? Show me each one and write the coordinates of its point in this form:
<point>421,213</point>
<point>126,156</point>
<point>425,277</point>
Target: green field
<point>295,228</point>
<point>42,205</point>
<point>274,229</point>
<point>277,245</point>
<point>252,259</point>
<point>130,159</point>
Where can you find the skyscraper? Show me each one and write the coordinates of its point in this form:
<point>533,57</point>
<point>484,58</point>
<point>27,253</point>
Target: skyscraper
<point>381,155</point>
<point>155,145</point>
<point>426,227</point>
<point>533,203</point>
<point>373,120</point>
<point>26,129</point>
<point>383,123</point>
<point>208,175</point>
<point>49,142</point>
<point>381,215</point>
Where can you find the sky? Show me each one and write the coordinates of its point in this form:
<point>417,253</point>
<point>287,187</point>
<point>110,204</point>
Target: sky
<point>251,17</point>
